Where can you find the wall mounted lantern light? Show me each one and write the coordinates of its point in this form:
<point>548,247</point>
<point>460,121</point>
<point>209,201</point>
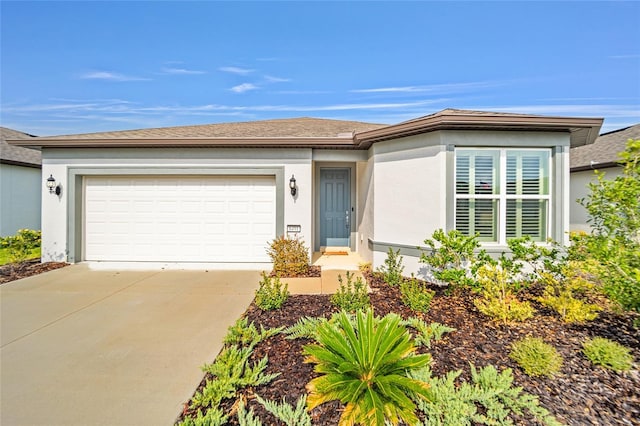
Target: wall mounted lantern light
<point>53,188</point>
<point>292,186</point>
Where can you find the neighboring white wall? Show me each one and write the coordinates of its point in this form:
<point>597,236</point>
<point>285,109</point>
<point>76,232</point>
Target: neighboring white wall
<point>20,189</point>
<point>579,189</point>
<point>410,193</point>
<point>58,161</point>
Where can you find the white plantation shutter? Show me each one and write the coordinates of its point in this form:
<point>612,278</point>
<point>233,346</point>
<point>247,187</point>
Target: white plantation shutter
<point>523,197</point>
<point>476,206</point>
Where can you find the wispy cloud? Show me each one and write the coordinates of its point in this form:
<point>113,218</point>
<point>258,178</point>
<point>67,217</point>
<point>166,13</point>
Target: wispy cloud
<point>110,76</point>
<point>631,56</point>
<point>432,88</point>
<point>236,70</point>
<point>182,71</point>
<point>244,87</point>
<point>272,79</point>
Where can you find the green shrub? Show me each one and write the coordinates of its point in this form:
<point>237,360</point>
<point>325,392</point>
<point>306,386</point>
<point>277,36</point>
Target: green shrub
<point>498,300</point>
<point>416,295</point>
<point>289,415</point>
<point>491,391</point>
<point>351,296</point>
<point>271,294</point>
<point>247,335</point>
<point>290,257</point>
<point>608,354</point>
<point>304,328</point>
<point>21,245</point>
<point>536,357</point>
<point>564,294</point>
<point>614,245</point>
<point>426,332</point>
<point>366,367</point>
<point>211,417</point>
<point>451,257</point>
<point>392,269</point>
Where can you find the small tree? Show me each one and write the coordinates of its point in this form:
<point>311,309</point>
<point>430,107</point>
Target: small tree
<point>614,213</point>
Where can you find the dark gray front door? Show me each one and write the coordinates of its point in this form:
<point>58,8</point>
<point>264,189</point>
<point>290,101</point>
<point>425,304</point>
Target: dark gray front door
<point>335,207</point>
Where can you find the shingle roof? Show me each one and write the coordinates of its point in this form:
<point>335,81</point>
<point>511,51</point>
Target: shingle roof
<point>18,155</point>
<point>323,133</point>
<point>604,151</point>
<point>284,128</point>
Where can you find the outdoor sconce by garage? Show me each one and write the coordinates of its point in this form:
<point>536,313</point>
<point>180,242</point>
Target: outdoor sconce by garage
<point>292,186</point>
<point>53,188</point>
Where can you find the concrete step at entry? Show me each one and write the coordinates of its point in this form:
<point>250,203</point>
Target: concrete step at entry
<point>327,283</point>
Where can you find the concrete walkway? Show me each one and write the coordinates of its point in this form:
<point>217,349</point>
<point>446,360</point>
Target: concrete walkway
<point>88,347</point>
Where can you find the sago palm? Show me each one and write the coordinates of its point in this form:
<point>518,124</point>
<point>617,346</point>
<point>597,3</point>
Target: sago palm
<point>365,365</point>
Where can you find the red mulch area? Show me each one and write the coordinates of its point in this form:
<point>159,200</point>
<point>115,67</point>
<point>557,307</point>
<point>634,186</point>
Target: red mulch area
<point>12,272</point>
<point>581,394</point>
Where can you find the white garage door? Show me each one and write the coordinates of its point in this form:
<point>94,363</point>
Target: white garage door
<point>179,218</point>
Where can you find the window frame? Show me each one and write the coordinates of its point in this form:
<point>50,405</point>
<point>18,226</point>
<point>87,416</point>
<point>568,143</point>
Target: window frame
<point>502,196</point>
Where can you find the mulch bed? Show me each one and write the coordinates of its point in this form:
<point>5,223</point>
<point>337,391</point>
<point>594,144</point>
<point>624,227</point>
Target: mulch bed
<point>581,394</point>
<point>12,272</point>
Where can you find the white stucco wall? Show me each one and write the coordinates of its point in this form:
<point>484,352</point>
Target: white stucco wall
<point>365,208</point>
<point>20,189</point>
<point>59,162</point>
<point>579,189</point>
<point>410,193</point>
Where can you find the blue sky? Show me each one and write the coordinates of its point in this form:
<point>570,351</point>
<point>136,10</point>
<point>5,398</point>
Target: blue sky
<point>76,67</point>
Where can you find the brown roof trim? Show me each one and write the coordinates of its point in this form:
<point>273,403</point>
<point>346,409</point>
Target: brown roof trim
<point>20,163</point>
<point>317,142</point>
<point>583,130</point>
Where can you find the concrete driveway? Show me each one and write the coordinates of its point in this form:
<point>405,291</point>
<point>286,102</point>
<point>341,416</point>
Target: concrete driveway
<point>95,347</point>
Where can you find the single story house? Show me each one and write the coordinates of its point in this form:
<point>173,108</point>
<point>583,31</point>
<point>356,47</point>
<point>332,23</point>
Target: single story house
<point>20,184</point>
<point>601,155</point>
<point>218,193</point>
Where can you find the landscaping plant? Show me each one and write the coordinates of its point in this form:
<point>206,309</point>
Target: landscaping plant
<point>536,357</point>
<point>491,391</point>
<point>272,293</point>
<point>450,257</point>
<point>367,368</point>
<point>608,354</point>
<point>392,269</point>
<point>498,299</point>
<point>425,333</point>
<point>21,246</point>
<point>416,295</point>
<point>351,295</point>
<point>290,257</point>
<point>613,207</point>
<point>290,416</point>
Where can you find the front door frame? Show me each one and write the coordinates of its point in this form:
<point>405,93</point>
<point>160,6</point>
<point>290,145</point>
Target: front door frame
<point>352,194</point>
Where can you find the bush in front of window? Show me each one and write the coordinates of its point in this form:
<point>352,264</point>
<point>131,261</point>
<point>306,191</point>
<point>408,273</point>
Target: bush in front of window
<point>451,257</point>
<point>498,299</point>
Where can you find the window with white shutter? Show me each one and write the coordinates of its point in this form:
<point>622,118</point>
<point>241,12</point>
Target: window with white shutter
<point>502,193</point>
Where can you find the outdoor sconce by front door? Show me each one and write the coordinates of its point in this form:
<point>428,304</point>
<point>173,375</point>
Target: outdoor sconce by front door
<point>292,186</point>
<point>53,188</point>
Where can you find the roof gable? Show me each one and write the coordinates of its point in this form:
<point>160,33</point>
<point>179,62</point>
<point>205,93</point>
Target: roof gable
<point>604,151</point>
<point>17,155</point>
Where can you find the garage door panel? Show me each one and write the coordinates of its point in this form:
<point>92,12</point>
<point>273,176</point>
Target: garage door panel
<point>181,219</point>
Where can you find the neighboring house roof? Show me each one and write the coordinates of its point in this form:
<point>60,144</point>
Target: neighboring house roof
<point>323,133</point>
<point>604,151</point>
<point>16,155</point>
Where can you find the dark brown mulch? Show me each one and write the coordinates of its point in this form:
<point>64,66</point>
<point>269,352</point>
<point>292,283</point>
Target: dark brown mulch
<point>12,272</point>
<point>580,395</point>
